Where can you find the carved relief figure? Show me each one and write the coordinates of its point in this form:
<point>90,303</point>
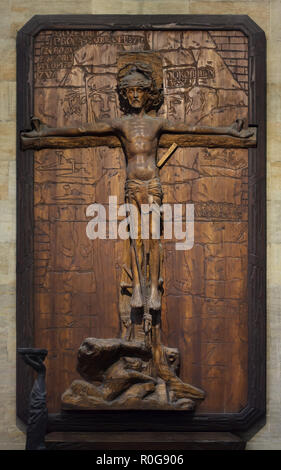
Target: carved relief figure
<point>101,97</point>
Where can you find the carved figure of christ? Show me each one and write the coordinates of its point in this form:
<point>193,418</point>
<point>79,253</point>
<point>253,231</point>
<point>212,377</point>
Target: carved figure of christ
<point>139,134</point>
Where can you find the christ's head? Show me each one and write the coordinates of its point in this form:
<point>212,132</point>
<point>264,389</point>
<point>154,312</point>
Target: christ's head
<point>137,89</point>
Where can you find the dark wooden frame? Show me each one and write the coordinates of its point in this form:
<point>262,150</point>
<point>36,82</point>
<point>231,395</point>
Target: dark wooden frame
<point>252,416</point>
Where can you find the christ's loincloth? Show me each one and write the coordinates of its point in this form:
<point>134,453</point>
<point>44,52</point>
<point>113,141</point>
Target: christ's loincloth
<point>140,190</point>
<point>147,195</point>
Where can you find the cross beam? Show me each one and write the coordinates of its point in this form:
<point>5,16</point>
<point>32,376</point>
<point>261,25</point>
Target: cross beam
<point>166,140</point>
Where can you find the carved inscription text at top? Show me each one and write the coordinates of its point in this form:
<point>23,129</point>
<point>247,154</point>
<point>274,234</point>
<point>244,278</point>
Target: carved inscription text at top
<point>55,50</point>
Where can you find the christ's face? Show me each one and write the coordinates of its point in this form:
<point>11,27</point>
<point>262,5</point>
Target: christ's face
<point>137,96</point>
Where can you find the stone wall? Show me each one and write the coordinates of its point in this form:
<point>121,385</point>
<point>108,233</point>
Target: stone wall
<point>14,14</point>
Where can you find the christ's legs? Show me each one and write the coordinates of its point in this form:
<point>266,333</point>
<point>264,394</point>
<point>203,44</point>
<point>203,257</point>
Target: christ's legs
<point>154,302</point>
<point>138,247</point>
<point>136,259</point>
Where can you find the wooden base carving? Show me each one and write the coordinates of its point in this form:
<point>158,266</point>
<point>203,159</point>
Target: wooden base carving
<point>121,374</point>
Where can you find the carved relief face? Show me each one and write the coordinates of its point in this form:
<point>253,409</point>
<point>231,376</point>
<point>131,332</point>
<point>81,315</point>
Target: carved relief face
<point>173,358</point>
<point>137,96</point>
<point>175,106</point>
<point>102,101</point>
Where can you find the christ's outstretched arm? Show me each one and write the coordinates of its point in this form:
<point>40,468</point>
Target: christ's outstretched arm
<point>235,129</point>
<point>39,129</point>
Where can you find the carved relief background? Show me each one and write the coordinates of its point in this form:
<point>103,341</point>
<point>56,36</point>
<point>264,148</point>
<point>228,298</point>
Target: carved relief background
<point>77,280</point>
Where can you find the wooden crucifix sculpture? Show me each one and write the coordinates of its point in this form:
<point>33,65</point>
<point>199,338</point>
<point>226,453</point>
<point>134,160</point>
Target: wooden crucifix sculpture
<point>134,374</point>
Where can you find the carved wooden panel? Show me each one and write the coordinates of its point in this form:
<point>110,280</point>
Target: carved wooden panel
<point>205,310</point>
<point>215,293</point>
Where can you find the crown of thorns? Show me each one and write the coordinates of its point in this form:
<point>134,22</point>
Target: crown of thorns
<point>139,74</point>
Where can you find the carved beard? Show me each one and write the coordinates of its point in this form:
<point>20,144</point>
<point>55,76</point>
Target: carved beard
<point>137,110</point>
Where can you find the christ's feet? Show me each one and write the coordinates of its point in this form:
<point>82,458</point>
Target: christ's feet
<point>154,302</point>
<point>136,299</point>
